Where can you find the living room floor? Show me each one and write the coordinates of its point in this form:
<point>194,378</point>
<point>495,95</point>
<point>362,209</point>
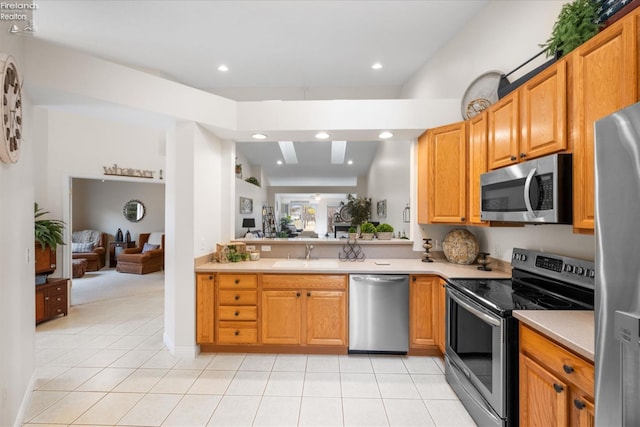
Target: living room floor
<point>105,365</point>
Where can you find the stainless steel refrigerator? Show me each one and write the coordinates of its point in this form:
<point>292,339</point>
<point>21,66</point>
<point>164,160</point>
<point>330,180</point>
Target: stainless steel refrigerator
<point>617,293</point>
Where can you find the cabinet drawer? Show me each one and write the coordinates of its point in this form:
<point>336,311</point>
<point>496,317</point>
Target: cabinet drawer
<point>304,281</point>
<point>238,281</point>
<point>57,291</point>
<point>58,308</point>
<point>238,333</point>
<point>232,297</point>
<point>238,312</point>
<point>558,360</point>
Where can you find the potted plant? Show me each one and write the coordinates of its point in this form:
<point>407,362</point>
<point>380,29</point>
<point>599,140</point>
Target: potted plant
<point>359,208</point>
<point>575,25</point>
<point>353,233</point>
<point>384,231</point>
<point>253,180</point>
<point>367,230</point>
<point>48,235</point>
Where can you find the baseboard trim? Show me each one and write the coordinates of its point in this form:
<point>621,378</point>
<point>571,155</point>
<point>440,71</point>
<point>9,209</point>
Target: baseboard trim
<point>184,352</point>
<point>26,400</point>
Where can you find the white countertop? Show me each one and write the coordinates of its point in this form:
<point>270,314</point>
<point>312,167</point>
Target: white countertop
<point>318,241</point>
<point>573,329</point>
<point>441,268</point>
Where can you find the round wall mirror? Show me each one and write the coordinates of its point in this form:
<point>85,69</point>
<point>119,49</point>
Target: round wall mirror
<point>133,210</point>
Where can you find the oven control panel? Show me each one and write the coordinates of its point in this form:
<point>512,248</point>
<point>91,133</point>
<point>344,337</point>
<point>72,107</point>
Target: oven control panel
<point>576,271</point>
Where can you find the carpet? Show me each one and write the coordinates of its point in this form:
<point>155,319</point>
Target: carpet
<point>108,284</point>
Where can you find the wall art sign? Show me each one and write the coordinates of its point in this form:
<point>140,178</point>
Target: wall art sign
<point>116,170</point>
<point>381,209</point>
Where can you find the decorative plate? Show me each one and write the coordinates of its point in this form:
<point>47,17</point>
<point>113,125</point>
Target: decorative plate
<point>344,214</point>
<point>460,247</point>
<point>480,94</point>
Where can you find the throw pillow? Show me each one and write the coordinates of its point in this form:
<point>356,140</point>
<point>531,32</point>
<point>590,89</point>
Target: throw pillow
<point>81,247</point>
<point>149,247</point>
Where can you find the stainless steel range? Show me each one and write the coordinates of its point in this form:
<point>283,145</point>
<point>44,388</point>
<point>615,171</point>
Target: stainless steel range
<point>481,357</point>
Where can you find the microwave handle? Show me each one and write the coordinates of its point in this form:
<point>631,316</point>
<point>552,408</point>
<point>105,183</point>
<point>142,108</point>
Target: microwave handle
<point>527,187</point>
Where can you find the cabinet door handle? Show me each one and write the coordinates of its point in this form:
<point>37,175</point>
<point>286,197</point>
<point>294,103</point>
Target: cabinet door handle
<point>514,158</point>
<point>297,294</point>
<point>523,155</point>
<point>568,369</point>
<point>236,333</point>
<point>210,277</point>
<point>308,294</point>
<point>579,404</point>
<point>462,219</point>
<point>237,297</point>
<point>237,281</point>
<point>237,313</point>
<point>558,388</point>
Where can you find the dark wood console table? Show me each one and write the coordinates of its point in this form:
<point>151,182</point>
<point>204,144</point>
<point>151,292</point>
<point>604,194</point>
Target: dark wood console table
<point>113,258</point>
<point>52,299</point>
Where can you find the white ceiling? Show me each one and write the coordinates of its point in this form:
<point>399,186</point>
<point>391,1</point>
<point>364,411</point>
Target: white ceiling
<point>274,50</point>
<point>265,44</point>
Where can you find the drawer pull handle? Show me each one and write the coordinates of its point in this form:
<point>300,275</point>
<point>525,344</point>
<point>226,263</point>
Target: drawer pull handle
<point>558,388</point>
<point>463,219</point>
<point>237,297</point>
<point>58,289</point>
<point>58,299</point>
<point>579,404</point>
<point>568,369</point>
<point>210,277</point>
<point>237,313</point>
<point>297,294</point>
<point>308,294</point>
<point>237,281</point>
<point>514,158</point>
<point>236,333</point>
<point>46,298</point>
<point>60,310</point>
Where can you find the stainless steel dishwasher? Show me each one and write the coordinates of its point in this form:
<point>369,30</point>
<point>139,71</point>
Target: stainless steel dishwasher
<point>378,313</point>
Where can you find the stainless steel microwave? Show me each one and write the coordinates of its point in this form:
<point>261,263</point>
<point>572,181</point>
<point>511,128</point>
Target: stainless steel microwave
<point>535,191</point>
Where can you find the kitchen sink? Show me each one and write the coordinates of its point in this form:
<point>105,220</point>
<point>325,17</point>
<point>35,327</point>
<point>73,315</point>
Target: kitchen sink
<point>304,263</point>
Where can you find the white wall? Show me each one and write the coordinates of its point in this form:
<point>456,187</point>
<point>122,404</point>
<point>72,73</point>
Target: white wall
<point>388,179</point>
<point>17,277</point>
<point>259,197</point>
<point>495,40</point>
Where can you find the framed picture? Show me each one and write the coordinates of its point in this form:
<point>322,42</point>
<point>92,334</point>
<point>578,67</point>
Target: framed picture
<point>382,209</point>
<point>246,205</point>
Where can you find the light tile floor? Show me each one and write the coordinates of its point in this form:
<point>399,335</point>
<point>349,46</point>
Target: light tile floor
<point>105,365</point>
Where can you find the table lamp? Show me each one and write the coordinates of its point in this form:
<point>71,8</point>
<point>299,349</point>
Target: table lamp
<point>248,223</point>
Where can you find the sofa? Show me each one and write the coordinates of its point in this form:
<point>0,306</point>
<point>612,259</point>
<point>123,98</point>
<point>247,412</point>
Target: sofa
<point>90,245</point>
<point>145,258</point>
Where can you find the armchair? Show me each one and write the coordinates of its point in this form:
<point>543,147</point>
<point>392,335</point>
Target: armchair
<point>147,257</point>
<point>89,245</point>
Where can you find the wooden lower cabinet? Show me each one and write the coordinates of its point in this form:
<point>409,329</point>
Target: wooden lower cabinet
<point>426,314</point>
<point>304,310</point>
<point>556,385</point>
<point>51,299</point>
<point>205,308</point>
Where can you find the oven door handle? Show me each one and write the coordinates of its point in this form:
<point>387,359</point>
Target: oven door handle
<point>484,316</point>
<point>527,188</point>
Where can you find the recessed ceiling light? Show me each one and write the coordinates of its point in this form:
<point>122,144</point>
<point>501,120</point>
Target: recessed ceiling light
<point>279,162</point>
<point>385,135</point>
<point>376,66</point>
<point>223,68</point>
<point>322,135</point>
<point>259,136</point>
<point>350,162</point>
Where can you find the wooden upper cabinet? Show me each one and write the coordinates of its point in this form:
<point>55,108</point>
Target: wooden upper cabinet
<point>423,176</point>
<point>605,79</point>
<point>504,132</point>
<point>447,174</point>
<point>543,113</point>
<point>477,164</point>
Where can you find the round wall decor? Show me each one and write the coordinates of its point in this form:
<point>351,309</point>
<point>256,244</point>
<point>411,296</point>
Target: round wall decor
<point>460,247</point>
<point>11,110</point>
<point>480,94</point>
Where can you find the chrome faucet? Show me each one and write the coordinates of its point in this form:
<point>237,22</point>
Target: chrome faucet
<point>308,248</point>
